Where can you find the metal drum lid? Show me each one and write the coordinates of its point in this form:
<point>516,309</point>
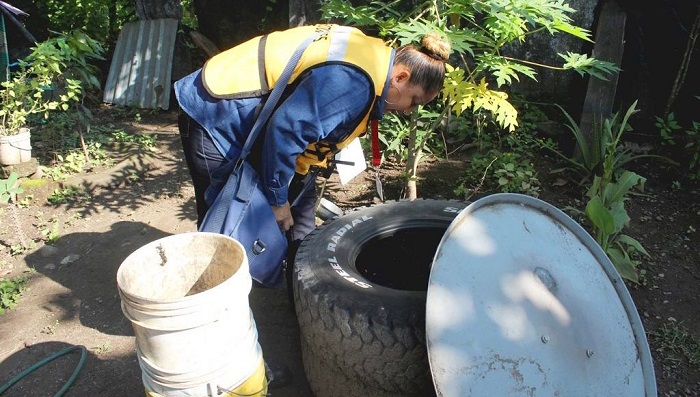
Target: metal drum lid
<point>523,302</point>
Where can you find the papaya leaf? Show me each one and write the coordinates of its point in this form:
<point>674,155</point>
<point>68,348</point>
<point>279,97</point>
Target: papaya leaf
<point>575,31</point>
<point>465,95</point>
<point>582,64</point>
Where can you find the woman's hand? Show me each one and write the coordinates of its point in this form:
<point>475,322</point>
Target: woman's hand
<point>283,215</point>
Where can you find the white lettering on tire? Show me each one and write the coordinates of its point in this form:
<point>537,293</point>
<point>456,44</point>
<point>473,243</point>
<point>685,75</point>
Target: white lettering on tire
<point>343,229</point>
<point>342,273</point>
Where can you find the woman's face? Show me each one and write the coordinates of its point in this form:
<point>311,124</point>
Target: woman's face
<point>402,96</point>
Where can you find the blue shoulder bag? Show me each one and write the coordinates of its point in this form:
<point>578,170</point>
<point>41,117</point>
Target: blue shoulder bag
<point>241,209</point>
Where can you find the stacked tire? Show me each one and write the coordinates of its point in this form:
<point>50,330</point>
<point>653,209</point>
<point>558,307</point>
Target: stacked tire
<point>360,284</point>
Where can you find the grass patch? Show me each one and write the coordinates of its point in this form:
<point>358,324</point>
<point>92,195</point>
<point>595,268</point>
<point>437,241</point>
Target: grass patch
<point>10,291</point>
<point>676,345</point>
<point>143,140</point>
<point>61,196</point>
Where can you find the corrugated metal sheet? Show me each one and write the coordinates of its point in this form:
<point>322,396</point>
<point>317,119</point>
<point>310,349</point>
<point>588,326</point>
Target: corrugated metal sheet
<point>142,65</point>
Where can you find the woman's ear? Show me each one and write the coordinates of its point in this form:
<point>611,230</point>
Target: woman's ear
<point>401,75</point>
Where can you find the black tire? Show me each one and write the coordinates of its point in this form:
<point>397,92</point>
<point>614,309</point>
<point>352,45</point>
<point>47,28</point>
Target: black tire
<point>360,285</point>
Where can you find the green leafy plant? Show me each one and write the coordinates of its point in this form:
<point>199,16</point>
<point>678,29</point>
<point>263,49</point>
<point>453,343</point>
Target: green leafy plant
<point>189,18</point>
<point>143,140</point>
<point>477,32</point>
<point>608,193</point>
<point>9,188</point>
<point>101,19</point>
<point>499,170</point>
<point>396,131</point>
<point>60,196</point>
<point>25,94</point>
<point>51,231</point>
<point>17,249</point>
<point>79,51</point>
<point>64,154</point>
<point>408,140</point>
<point>26,201</point>
<point>604,151</point>
<point>503,161</point>
<point>10,291</point>
<point>54,75</point>
<point>606,212</point>
<point>667,128</point>
<point>72,56</point>
<point>75,161</point>
<point>520,178</point>
<point>685,141</point>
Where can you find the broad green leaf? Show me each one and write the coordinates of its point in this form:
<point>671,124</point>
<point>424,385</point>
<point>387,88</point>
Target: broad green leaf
<point>617,209</point>
<point>465,95</point>
<point>636,245</point>
<point>503,69</point>
<point>464,40</point>
<point>600,216</point>
<point>576,31</point>
<point>582,64</point>
<point>12,180</point>
<point>618,190</point>
<point>623,264</point>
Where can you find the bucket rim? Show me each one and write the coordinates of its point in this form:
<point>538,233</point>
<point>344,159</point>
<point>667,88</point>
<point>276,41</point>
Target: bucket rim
<point>194,298</point>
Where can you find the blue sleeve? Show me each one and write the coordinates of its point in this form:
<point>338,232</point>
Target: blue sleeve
<point>327,104</point>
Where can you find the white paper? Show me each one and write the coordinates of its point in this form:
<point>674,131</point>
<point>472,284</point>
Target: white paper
<point>351,153</point>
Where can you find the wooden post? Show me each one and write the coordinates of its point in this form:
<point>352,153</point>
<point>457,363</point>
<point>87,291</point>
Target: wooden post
<point>609,46</point>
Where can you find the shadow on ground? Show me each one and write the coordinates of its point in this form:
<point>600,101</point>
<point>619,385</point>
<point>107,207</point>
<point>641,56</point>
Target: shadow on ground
<point>118,376</point>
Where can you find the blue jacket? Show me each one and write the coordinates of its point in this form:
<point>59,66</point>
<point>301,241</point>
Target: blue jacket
<point>324,103</point>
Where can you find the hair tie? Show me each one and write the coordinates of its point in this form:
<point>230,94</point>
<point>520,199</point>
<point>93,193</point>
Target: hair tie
<point>431,54</point>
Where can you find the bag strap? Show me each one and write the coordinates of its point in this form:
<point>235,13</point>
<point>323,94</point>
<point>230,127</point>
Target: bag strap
<point>227,193</point>
<point>275,95</point>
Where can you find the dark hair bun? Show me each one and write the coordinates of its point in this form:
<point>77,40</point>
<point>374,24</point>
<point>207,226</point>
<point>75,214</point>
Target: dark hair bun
<point>437,47</point>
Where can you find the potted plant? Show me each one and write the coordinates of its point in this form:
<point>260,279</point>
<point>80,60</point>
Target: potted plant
<point>29,92</point>
<point>23,95</point>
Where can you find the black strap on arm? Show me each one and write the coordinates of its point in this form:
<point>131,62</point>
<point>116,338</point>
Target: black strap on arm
<point>264,88</point>
<point>274,97</point>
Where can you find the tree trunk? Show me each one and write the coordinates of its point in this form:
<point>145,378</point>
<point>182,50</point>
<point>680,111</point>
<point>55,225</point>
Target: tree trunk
<point>600,95</point>
<point>235,25</point>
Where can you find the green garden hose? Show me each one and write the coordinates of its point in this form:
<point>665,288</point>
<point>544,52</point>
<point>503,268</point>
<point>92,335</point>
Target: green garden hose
<point>69,382</point>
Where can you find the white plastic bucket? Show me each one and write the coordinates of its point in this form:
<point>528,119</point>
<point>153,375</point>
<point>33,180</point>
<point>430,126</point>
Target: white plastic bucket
<point>17,148</point>
<point>186,296</point>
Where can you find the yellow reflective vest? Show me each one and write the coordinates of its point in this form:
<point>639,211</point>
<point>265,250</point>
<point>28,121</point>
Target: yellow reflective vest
<point>252,69</point>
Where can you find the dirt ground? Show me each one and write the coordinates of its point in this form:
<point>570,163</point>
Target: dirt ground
<point>73,299</point>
